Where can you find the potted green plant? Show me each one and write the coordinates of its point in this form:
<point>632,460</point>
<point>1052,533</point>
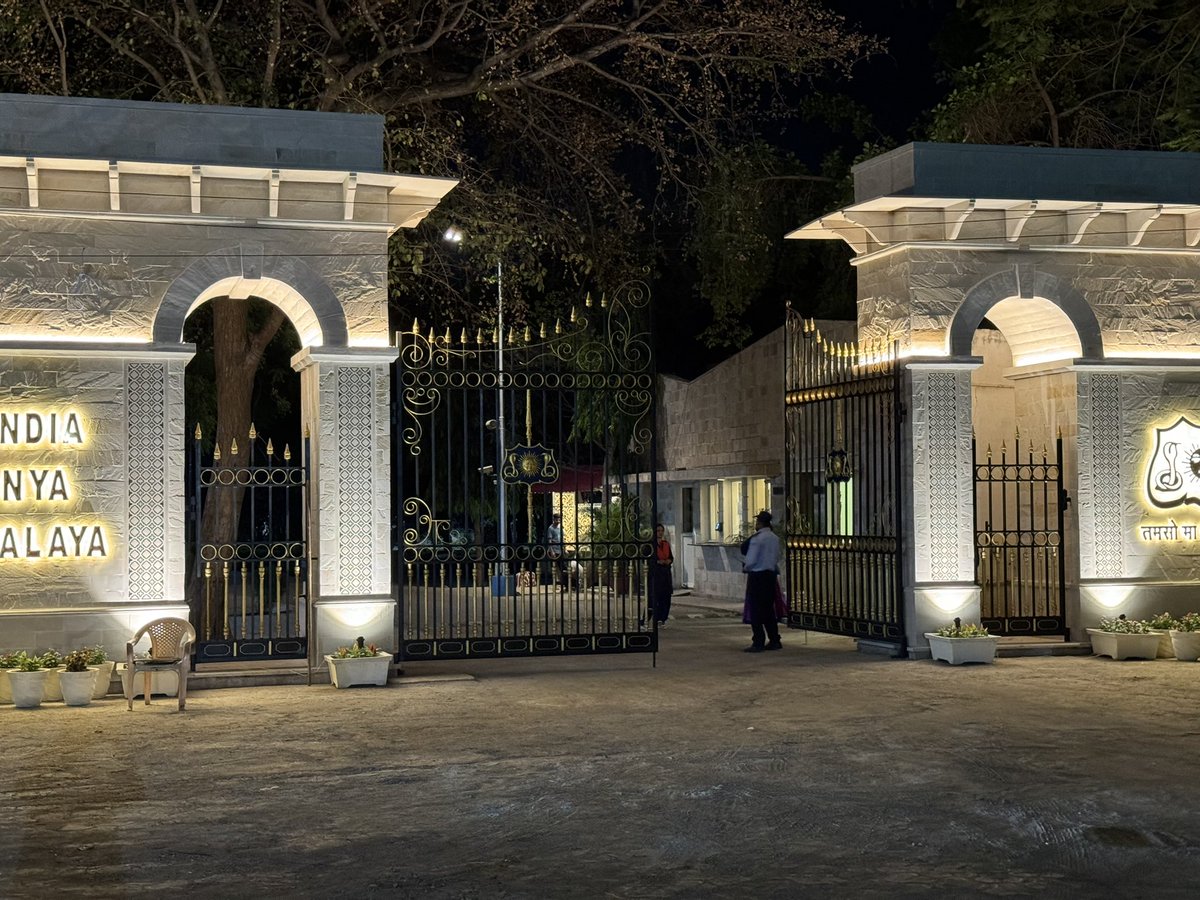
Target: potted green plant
<point>1185,637</point>
<point>27,679</point>
<point>98,658</point>
<point>1161,625</point>
<point>52,662</point>
<point>1123,638</point>
<point>7,661</point>
<point>360,663</point>
<point>959,643</point>
<point>77,679</point>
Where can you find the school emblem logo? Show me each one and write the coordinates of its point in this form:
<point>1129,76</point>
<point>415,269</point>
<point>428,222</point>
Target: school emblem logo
<point>1173,477</point>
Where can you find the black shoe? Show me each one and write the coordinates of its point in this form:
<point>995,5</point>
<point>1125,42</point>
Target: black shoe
<point>753,648</point>
<point>774,645</point>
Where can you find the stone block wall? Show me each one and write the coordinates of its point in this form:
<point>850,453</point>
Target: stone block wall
<point>732,415</point>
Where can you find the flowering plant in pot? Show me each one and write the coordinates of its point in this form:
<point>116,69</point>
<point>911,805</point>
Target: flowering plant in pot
<point>26,679</point>
<point>52,662</point>
<point>7,661</point>
<point>1161,624</point>
<point>1185,637</point>
<point>98,658</point>
<point>1124,638</point>
<point>77,679</point>
<point>959,643</point>
<point>360,663</point>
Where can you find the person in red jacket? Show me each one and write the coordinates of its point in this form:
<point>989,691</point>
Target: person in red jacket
<point>661,587</point>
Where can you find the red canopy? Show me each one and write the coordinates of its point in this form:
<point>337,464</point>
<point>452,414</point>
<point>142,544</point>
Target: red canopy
<point>573,480</point>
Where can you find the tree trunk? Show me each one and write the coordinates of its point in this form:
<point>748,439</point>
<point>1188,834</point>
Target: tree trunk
<point>236,356</point>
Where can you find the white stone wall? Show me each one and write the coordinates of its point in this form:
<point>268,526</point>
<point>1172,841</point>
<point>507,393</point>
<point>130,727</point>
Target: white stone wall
<point>89,278</point>
<point>1145,303</point>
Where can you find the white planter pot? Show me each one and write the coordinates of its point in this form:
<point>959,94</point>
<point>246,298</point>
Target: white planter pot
<point>1124,646</point>
<point>77,687</point>
<point>5,690</point>
<point>957,651</point>
<point>1186,645</point>
<point>1165,648</point>
<point>103,678</point>
<point>51,691</point>
<point>364,670</point>
<point>27,688</point>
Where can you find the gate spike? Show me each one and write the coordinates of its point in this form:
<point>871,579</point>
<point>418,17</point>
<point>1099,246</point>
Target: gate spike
<point>1045,455</point>
<point>198,434</point>
<point>217,452</point>
<point>495,339</point>
<point>432,336</point>
<point>462,338</point>
<point>307,433</point>
<point>603,300</point>
<point>253,431</point>
<point>1018,432</point>
<point>542,332</point>
<point>448,339</point>
<point>587,301</point>
<point>989,452</point>
<point>572,315</point>
<point>270,448</point>
<point>511,338</point>
<point>233,448</point>
<point>479,336</point>
<point>416,329</point>
<point>287,451</point>
<point>527,337</point>
<point>558,326</point>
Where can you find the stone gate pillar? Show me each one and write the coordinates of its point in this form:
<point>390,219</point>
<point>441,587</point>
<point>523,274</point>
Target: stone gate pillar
<point>346,416</point>
<point>940,532</point>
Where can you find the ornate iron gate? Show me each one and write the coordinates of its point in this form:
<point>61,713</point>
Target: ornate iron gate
<point>495,434</point>
<point>842,418</point>
<point>1020,507</point>
<point>248,584</point>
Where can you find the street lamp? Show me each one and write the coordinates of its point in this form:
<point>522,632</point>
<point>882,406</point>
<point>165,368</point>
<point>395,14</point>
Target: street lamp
<point>500,586</point>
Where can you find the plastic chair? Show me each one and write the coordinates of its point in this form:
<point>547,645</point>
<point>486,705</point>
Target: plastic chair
<point>170,650</point>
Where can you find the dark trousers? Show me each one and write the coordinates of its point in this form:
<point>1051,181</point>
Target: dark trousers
<point>660,589</point>
<point>760,589</point>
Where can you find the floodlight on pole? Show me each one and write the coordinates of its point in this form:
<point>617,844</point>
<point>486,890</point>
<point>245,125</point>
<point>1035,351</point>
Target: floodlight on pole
<point>455,236</point>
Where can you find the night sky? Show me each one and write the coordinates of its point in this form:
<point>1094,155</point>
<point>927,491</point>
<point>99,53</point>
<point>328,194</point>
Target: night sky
<point>897,89</point>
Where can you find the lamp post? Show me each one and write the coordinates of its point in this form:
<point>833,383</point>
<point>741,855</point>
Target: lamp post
<point>500,587</point>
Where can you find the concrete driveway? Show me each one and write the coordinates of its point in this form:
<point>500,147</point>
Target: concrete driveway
<point>812,772</point>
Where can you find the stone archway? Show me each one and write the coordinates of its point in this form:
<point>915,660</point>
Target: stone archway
<point>289,283</point>
<point>1055,303</point>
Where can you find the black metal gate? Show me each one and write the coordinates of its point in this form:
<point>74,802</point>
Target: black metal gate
<point>1020,507</point>
<point>248,576</point>
<point>496,434</point>
<point>842,418</point>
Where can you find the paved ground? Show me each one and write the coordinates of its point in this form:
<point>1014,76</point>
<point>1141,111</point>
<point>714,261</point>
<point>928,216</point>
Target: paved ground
<point>813,772</point>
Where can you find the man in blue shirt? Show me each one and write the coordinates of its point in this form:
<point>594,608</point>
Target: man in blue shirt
<point>762,574</point>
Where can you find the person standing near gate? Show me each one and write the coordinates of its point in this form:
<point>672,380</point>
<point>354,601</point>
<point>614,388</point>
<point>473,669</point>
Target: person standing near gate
<point>761,568</point>
<point>554,549</point>
<point>660,585</point>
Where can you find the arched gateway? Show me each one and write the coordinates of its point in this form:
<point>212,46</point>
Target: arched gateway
<point>116,220</point>
<point>1041,296</point>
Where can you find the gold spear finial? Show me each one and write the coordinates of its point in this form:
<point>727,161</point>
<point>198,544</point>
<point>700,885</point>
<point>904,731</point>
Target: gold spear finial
<point>527,334</point>
<point>253,432</point>
<point>287,452</point>
<point>233,447</point>
<point>198,434</point>
<point>542,332</point>
<point>416,329</point>
<point>572,315</point>
<point>462,338</point>
<point>479,336</point>
<point>603,300</point>
<point>447,338</point>
<point>270,448</point>
<point>216,452</point>
<point>558,326</point>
